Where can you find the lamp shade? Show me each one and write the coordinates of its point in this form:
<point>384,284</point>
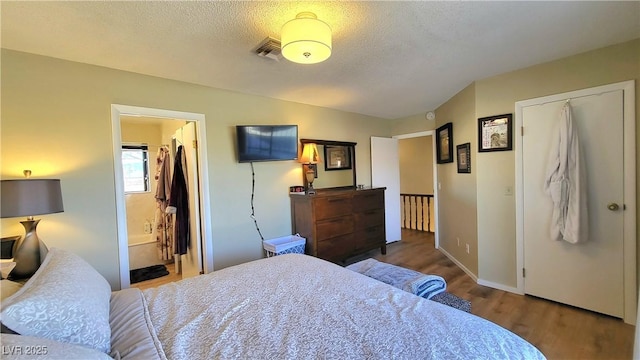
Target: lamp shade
<point>305,39</point>
<point>310,154</point>
<point>27,197</point>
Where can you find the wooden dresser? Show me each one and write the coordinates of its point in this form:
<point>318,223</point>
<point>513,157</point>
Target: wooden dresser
<point>339,224</point>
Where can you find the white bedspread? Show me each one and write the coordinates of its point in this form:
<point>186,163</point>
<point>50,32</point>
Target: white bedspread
<point>299,307</point>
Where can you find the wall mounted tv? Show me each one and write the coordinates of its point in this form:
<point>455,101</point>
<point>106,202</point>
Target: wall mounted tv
<point>267,142</point>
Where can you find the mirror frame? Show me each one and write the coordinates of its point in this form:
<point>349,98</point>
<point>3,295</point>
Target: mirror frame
<point>352,150</point>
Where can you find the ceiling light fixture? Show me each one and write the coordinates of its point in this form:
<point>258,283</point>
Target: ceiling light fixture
<point>305,39</point>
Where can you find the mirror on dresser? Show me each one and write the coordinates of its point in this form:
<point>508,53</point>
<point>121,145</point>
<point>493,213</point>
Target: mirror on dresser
<point>339,171</point>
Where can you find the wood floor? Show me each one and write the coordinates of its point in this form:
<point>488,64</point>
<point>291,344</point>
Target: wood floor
<point>559,331</point>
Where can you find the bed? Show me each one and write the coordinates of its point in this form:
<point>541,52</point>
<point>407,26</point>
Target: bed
<point>285,307</point>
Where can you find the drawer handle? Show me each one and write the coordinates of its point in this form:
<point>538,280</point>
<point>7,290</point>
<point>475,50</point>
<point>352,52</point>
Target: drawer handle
<point>336,200</point>
<point>370,230</point>
<point>370,212</point>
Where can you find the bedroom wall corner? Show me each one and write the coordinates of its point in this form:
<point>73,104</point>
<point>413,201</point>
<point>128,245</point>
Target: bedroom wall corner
<point>496,171</point>
<point>457,202</point>
<point>411,124</point>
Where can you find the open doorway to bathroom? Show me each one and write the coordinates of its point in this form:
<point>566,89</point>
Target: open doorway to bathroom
<point>158,152</point>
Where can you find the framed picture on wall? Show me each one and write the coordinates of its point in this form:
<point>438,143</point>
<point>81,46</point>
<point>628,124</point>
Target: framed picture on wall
<point>444,144</point>
<point>337,157</point>
<point>494,133</point>
<point>463,152</point>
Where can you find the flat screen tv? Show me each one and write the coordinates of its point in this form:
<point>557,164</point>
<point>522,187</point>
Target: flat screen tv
<point>267,142</point>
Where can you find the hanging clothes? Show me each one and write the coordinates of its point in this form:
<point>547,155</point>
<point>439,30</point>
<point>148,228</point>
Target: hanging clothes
<point>163,221</point>
<point>566,182</point>
<point>179,203</point>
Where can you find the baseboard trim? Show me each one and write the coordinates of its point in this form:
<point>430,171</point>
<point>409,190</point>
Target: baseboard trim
<point>499,286</point>
<point>464,268</point>
<point>481,281</point>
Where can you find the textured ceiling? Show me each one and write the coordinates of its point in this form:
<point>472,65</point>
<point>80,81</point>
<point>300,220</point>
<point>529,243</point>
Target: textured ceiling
<point>390,59</point>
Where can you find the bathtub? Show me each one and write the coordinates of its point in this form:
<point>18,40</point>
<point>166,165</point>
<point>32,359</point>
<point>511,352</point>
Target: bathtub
<point>142,251</point>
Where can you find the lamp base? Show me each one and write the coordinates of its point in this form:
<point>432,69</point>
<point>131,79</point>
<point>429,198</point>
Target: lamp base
<point>309,174</point>
<point>27,256</point>
<point>311,190</point>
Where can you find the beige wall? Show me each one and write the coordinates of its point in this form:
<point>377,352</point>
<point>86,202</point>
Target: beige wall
<point>416,165</point>
<point>457,195</point>
<point>412,124</point>
<point>56,120</point>
<point>495,171</point>
<point>474,207</point>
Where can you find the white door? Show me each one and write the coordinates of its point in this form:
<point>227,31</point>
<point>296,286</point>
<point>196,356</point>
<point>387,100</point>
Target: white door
<point>588,275</point>
<point>192,260</point>
<point>385,172</point>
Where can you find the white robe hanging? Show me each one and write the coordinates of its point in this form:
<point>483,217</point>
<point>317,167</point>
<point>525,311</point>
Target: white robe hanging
<point>566,182</point>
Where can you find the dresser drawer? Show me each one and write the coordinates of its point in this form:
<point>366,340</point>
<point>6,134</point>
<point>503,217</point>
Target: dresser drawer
<point>337,248</point>
<point>368,200</point>
<point>331,207</point>
<point>370,237</point>
<point>341,223</point>
<point>326,229</point>
<point>369,218</point>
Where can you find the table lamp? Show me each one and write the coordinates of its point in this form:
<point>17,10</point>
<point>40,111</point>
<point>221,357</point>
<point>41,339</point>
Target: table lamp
<point>310,157</point>
<point>27,197</point>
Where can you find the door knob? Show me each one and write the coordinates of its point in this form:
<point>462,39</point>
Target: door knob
<point>613,206</point>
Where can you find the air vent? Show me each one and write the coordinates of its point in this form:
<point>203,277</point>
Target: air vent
<point>269,48</point>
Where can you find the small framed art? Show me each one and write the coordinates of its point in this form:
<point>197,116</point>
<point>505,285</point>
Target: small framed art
<point>444,144</point>
<point>494,133</point>
<point>337,157</point>
<point>463,152</point>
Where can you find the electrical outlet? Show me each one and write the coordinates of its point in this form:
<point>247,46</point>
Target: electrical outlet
<point>467,248</point>
<point>147,227</point>
<point>458,241</point>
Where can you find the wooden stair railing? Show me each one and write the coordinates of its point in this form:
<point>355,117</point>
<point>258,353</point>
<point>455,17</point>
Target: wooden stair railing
<point>413,211</point>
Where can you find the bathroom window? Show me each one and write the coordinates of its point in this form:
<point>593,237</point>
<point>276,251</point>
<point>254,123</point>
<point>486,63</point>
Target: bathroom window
<point>135,167</point>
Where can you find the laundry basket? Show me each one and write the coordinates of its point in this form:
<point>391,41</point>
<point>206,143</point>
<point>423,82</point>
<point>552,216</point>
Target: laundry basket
<point>291,244</point>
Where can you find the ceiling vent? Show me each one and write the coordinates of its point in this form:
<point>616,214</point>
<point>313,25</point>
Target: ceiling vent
<point>269,48</point>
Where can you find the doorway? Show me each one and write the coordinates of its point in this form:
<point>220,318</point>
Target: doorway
<point>382,165</point>
<point>157,128</point>
<point>416,183</point>
<point>599,272</point>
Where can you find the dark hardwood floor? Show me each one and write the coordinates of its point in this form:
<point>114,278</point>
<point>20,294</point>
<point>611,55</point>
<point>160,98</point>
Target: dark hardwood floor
<point>559,331</point>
